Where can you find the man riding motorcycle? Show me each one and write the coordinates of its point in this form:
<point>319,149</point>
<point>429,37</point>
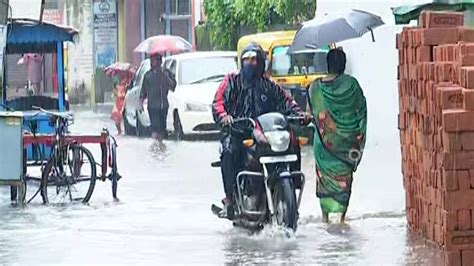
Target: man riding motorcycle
<point>245,94</point>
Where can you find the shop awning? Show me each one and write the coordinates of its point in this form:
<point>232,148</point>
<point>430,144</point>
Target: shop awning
<point>26,35</point>
<point>404,14</point>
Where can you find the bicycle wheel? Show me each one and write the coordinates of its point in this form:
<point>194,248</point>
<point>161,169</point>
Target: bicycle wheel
<point>70,178</point>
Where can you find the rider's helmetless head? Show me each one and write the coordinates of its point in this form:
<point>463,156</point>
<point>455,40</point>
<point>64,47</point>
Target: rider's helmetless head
<point>253,62</point>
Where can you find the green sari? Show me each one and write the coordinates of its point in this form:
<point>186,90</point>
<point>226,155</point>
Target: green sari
<point>340,112</point>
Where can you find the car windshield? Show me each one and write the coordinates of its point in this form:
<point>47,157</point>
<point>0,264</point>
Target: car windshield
<point>199,70</point>
<point>311,62</point>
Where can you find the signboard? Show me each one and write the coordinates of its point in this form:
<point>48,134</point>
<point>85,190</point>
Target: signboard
<point>53,16</point>
<point>105,32</point>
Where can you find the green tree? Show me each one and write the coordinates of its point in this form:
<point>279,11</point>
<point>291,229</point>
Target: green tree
<point>226,16</point>
<point>223,22</point>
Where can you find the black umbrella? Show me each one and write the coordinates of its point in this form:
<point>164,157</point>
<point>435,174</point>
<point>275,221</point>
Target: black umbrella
<point>314,34</point>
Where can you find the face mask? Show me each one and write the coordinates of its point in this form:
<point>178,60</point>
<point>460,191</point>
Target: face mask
<point>248,71</point>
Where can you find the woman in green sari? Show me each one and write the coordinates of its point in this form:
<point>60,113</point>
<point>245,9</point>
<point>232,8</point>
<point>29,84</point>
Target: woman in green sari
<point>340,112</point>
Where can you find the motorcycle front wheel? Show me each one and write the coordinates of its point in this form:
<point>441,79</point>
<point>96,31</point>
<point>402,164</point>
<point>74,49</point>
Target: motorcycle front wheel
<point>286,207</point>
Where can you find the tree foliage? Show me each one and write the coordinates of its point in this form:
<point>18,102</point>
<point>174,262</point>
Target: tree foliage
<point>226,16</point>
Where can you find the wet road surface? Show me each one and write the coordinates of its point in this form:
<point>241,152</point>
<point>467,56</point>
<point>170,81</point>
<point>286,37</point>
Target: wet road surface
<point>163,216</point>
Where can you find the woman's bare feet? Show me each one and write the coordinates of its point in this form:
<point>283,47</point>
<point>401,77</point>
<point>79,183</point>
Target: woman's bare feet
<point>325,217</point>
<point>343,218</point>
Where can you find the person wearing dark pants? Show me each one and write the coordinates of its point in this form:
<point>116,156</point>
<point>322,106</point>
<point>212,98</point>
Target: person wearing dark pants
<point>158,81</point>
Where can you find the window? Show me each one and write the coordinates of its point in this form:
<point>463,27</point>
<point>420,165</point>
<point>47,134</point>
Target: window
<point>312,62</point>
<point>180,7</point>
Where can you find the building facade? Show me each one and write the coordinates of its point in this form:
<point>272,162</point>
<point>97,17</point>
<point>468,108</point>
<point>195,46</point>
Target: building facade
<point>109,30</point>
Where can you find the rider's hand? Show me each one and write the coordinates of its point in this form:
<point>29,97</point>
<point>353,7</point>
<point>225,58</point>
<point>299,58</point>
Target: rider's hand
<point>227,120</point>
<point>308,117</point>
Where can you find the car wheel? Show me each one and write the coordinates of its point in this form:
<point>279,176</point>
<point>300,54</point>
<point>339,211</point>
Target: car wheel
<point>129,129</point>
<point>178,127</point>
<point>142,131</point>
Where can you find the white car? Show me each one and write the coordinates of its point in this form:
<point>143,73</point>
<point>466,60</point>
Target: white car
<point>198,75</point>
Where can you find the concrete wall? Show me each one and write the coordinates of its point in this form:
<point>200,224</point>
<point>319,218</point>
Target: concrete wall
<point>80,54</point>
<point>132,30</point>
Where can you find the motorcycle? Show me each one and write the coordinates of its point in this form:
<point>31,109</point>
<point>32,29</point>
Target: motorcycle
<point>269,174</point>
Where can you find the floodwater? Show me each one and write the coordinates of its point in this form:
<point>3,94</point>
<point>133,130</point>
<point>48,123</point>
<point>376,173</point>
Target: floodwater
<point>163,217</point>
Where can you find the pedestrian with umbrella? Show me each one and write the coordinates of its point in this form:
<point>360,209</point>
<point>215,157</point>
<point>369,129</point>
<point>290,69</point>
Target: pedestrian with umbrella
<point>339,108</point>
<point>158,81</point>
<point>124,73</point>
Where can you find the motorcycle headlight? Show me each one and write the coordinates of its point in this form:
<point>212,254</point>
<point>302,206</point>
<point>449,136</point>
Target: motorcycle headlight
<point>196,107</point>
<point>278,140</point>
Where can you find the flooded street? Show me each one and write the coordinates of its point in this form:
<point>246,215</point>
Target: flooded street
<point>163,217</point>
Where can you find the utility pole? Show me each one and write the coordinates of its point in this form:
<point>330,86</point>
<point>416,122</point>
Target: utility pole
<point>4,14</point>
<point>41,11</point>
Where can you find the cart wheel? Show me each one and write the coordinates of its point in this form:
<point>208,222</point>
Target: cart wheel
<point>22,193</point>
<point>114,174</point>
<point>70,179</point>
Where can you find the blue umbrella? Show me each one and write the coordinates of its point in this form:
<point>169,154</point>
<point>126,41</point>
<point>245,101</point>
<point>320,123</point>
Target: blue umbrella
<point>314,34</point>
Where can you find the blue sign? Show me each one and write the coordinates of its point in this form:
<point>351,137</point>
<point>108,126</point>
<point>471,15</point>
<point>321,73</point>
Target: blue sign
<point>105,32</point>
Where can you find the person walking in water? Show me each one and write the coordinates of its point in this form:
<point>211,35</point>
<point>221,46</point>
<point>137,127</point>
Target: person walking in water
<point>340,112</point>
<point>119,95</point>
<point>158,81</point>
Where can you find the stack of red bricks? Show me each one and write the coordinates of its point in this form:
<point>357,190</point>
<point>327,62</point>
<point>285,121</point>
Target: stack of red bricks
<point>436,122</point>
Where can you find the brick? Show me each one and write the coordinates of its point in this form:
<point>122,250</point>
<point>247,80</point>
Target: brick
<point>465,48</point>
<point>452,258</point>
<point>451,97</point>
<point>464,179</point>
<point>450,180</point>
<point>444,72</point>
<point>467,257</point>
<point>438,54</point>
<point>450,220</point>
<point>468,99</point>
<point>471,173</point>
<point>472,218</point>
<point>423,19</point>
<point>466,34</point>
<point>467,141</point>
<point>459,200</point>
<point>432,19</point>
<point>438,234</point>
<point>402,123</point>
<point>438,36</point>
<point>458,120</point>
<point>464,219</point>
<point>467,60</point>
<point>423,54</point>
<point>452,142</point>
<point>463,160</point>
<point>398,44</point>
<point>460,240</point>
